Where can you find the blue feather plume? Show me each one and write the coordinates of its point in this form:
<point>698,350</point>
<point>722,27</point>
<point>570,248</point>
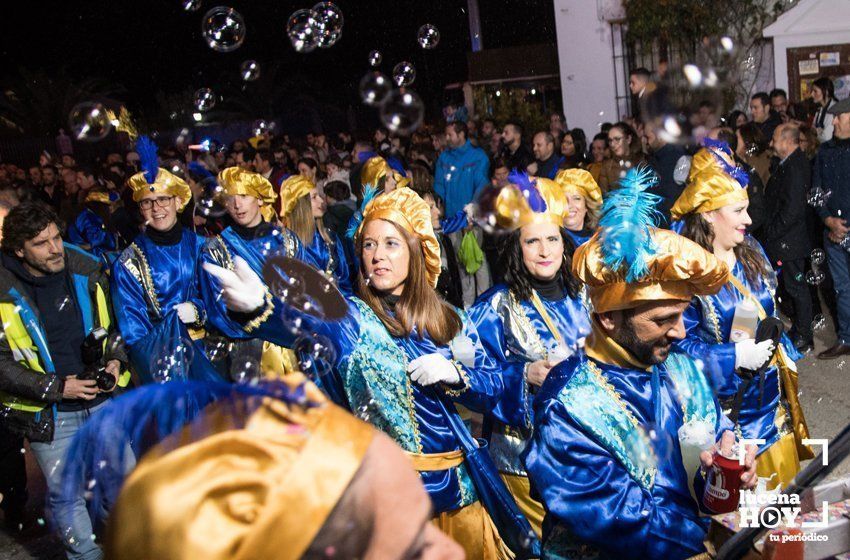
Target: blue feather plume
<point>199,170</point>
<point>628,214</point>
<point>148,158</point>
<point>733,171</point>
<point>128,426</point>
<point>369,192</point>
<point>529,190</point>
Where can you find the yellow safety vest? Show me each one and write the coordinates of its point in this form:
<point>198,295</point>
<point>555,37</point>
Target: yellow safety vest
<point>25,351</point>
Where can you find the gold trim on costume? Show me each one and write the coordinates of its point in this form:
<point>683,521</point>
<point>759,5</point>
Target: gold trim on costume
<point>255,323</point>
<point>147,279</point>
<point>427,462</point>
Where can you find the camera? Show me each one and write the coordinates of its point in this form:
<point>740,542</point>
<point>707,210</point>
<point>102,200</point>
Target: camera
<point>92,356</point>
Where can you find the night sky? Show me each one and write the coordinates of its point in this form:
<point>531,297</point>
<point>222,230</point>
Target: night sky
<point>154,45</point>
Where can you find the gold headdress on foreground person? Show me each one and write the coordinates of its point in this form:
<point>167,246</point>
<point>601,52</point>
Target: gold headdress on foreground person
<point>237,181</point>
<point>154,179</point>
<point>628,261</point>
<point>714,181</point>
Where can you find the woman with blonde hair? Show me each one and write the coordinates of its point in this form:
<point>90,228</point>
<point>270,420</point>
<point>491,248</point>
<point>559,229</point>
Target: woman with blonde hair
<point>584,203</point>
<point>302,206</point>
<point>403,358</point>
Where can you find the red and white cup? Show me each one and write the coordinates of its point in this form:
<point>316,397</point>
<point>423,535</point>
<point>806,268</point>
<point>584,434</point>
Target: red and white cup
<point>723,484</point>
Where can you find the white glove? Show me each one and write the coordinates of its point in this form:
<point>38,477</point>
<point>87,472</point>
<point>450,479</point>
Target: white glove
<point>187,312</point>
<point>433,368</point>
<point>751,355</point>
<point>242,290</point>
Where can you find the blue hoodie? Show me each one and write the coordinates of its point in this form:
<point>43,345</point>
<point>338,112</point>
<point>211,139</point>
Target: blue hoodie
<point>460,175</point>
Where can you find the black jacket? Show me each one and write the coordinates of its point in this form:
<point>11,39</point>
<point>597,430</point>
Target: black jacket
<point>755,192</point>
<point>663,161</point>
<point>784,232</point>
<point>20,381</point>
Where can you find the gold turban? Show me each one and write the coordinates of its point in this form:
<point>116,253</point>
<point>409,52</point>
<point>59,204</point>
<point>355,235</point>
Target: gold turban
<point>165,183</point>
<point>103,197</point>
<point>709,186</point>
<point>579,181</point>
<point>679,269</point>
<point>293,188</point>
<point>376,168</point>
<point>526,200</point>
<point>235,181</point>
<point>406,209</point>
<point>259,490</point>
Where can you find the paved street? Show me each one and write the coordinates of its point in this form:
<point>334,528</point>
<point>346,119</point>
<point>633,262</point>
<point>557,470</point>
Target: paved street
<point>825,393</point>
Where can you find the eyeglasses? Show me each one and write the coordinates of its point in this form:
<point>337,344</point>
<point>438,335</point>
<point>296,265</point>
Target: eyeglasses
<point>161,202</point>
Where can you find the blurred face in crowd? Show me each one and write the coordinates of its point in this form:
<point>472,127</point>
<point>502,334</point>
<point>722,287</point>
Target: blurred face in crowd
<point>35,175</point>
<point>238,146</point>
<point>69,177</point>
<point>740,121</point>
<point>705,114</point>
<point>487,128</point>
<point>542,147</point>
<point>240,161</point>
<point>500,176</point>
<point>132,160</point>
<point>44,253</point>
<point>454,139</point>
<point>636,83</point>
<point>159,211</point>
<point>261,165</point>
<point>244,209</point>
<point>841,124</point>
<point>48,175</point>
<point>84,181</point>
<point>781,143</point>
<point>3,213</point>
<point>306,171</point>
<point>651,140</point>
<point>311,139</point>
<point>495,143</point>
<point>20,174</point>
<point>568,147</point>
<point>758,110</point>
<point>576,210</point>
<point>647,331</point>
<point>619,142</point>
<point>779,103</point>
<point>318,203</point>
<point>438,141</point>
<point>436,214</point>
<point>380,136</point>
<point>542,249</point>
<point>68,161</point>
<point>817,95</point>
<point>385,256</point>
<point>729,225</point>
<point>598,149</point>
<point>511,137</point>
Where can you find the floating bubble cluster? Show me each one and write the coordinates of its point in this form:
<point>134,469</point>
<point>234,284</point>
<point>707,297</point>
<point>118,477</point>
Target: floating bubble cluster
<point>817,197</point>
<point>89,122</point>
<point>374,88</point>
<point>320,26</point>
<point>402,111</point>
<point>404,73</point>
<point>173,361</point>
<point>249,70</point>
<point>428,36</point>
<point>211,203</point>
<point>204,99</point>
<point>375,59</point>
<point>223,29</point>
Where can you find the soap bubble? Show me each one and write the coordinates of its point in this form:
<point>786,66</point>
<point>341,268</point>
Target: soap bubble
<point>328,24</point>
<point>316,355</point>
<point>173,360</point>
<point>192,5</point>
<point>212,202</point>
<point>404,73</point>
<point>366,411</point>
<point>375,58</point>
<point>374,88</point>
<point>260,127</point>
<point>818,323</point>
<point>402,111</point>
<point>223,29</point>
<point>817,197</point>
<point>89,122</point>
<point>428,36</point>
<point>245,370</point>
<point>301,29</point>
<point>814,277</point>
<point>204,99</point>
<point>818,256</point>
<point>249,70</point>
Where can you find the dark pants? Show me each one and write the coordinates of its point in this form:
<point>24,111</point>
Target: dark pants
<point>839,265</point>
<point>13,474</point>
<point>793,278</point>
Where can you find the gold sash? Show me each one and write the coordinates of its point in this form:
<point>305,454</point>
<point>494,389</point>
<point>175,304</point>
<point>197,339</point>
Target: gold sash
<point>424,462</point>
<point>790,383</point>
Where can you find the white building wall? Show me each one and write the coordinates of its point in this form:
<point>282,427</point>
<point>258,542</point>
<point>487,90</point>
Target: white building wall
<point>586,61</point>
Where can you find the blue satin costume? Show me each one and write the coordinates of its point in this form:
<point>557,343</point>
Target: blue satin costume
<point>89,231</point>
<point>368,376</point>
<point>580,237</point>
<point>148,281</point>
<point>708,322</point>
<point>514,334</point>
<point>331,260</point>
<point>605,494</point>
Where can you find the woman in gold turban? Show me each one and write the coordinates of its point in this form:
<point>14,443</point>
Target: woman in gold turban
<point>584,202</point>
<point>302,206</point>
<point>713,206</point>
<point>402,358</point>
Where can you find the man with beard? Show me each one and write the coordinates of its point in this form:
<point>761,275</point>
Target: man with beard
<point>610,489</point>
